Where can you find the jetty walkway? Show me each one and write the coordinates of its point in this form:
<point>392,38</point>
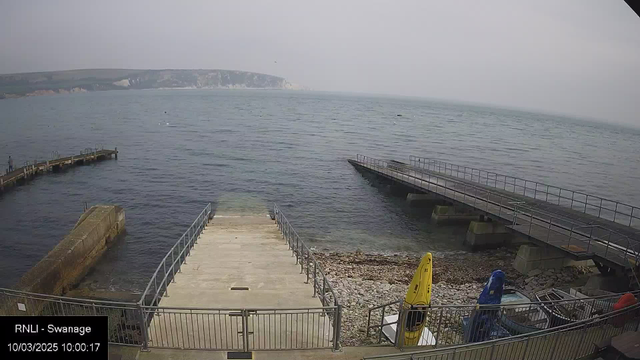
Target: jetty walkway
<point>28,171</point>
<point>583,226</point>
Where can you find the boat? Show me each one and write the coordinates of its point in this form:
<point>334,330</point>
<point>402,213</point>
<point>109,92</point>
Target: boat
<point>389,331</point>
<point>496,332</point>
<point>483,325</point>
<point>417,299</point>
<point>563,312</point>
<point>604,299</point>
<point>524,318</point>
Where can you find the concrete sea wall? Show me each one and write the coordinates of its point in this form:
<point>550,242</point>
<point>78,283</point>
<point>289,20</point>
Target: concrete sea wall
<point>72,258</point>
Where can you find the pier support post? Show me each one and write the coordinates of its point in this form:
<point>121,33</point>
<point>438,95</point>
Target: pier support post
<point>531,257</point>
<point>486,235</point>
<point>443,214</point>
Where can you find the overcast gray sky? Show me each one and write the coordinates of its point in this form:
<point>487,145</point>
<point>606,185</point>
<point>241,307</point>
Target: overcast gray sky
<point>578,57</point>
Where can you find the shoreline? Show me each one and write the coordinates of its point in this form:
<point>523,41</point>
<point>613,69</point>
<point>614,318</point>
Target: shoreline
<point>364,280</point>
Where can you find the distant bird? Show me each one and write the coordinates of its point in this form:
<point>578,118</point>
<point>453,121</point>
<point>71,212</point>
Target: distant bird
<point>275,62</point>
<point>165,112</point>
<point>167,124</point>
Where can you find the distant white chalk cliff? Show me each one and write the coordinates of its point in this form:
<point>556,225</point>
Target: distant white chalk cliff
<point>56,82</point>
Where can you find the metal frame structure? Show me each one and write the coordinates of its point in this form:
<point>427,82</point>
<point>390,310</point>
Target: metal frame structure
<point>125,319</point>
<point>445,322</point>
<point>175,257</point>
<point>605,244</point>
<point>242,329</point>
<point>600,207</point>
<point>146,324</point>
<point>570,341</point>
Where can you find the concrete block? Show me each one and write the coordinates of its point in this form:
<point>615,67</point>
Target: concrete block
<point>483,235</point>
<point>531,257</point>
<point>72,258</point>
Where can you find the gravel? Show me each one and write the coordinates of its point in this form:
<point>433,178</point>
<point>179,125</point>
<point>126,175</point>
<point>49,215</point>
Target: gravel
<point>364,280</point>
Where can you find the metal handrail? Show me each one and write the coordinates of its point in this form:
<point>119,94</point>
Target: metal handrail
<point>183,245</point>
<point>237,309</point>
<point>491,344</point>
<point>304,256</point>
<point>577,229</point>
<point>478,307</point>
<point>539,190</point>
<point>298,247</point>
<point>79,301</point>
<point>500,200</point>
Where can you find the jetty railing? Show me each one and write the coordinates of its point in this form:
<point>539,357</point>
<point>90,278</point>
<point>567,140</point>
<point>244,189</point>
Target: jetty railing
<point>558,229</point>
<point>309,266</point>
<point>600,207</point>
<point>449,325</point>
<point>125,319</point>
<point>170,265</point>
<point>570,341</point>
<point>242,329</point>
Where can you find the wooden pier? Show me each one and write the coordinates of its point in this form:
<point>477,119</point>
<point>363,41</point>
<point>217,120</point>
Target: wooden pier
<point>23,174</point>
<point>612,241</point>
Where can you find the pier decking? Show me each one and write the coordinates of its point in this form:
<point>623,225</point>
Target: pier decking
<point>610,239</point>
<point>241,278</point>
<point>27,172</point>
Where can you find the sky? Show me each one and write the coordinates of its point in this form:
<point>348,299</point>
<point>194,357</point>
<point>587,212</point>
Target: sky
<point>574,57</point>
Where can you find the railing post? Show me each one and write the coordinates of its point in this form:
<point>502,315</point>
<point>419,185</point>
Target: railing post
<point>439,326</point>
<point>570,236</point>
<point>615,212</point>
<point>402,316</point>
<point>166,287</point>
<point>324,283</point>
<point>586,201</point>
<point>600,210</point>
<point>337,327</point>
<point>547,192</point>
<point>173,268</point>
<point>530,223</point>
<point>143,328</point>
<point>315,278</point>
<point>245,330</point>
<point>308,259</point>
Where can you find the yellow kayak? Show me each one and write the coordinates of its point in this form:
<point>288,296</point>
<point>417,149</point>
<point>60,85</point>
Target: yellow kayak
<point>418,295</point>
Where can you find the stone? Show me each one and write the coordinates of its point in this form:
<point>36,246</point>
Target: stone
<point>535,272</point>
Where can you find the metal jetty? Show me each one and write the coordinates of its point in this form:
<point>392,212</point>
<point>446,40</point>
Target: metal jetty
<point>582,225</point>
<point>31,169</point>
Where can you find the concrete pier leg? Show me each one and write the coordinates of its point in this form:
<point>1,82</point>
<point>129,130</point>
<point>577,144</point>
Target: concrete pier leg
<point>444,214</point>
<point>531,258</point>
<point>421,200</point>
<point>486,235</point>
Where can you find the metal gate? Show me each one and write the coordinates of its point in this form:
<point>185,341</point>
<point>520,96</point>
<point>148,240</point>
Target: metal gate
<point>242,329</point>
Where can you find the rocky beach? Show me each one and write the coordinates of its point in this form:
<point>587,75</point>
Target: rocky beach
<point>364,280</point>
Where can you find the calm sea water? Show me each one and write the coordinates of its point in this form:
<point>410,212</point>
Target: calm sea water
<point>244,150</point>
